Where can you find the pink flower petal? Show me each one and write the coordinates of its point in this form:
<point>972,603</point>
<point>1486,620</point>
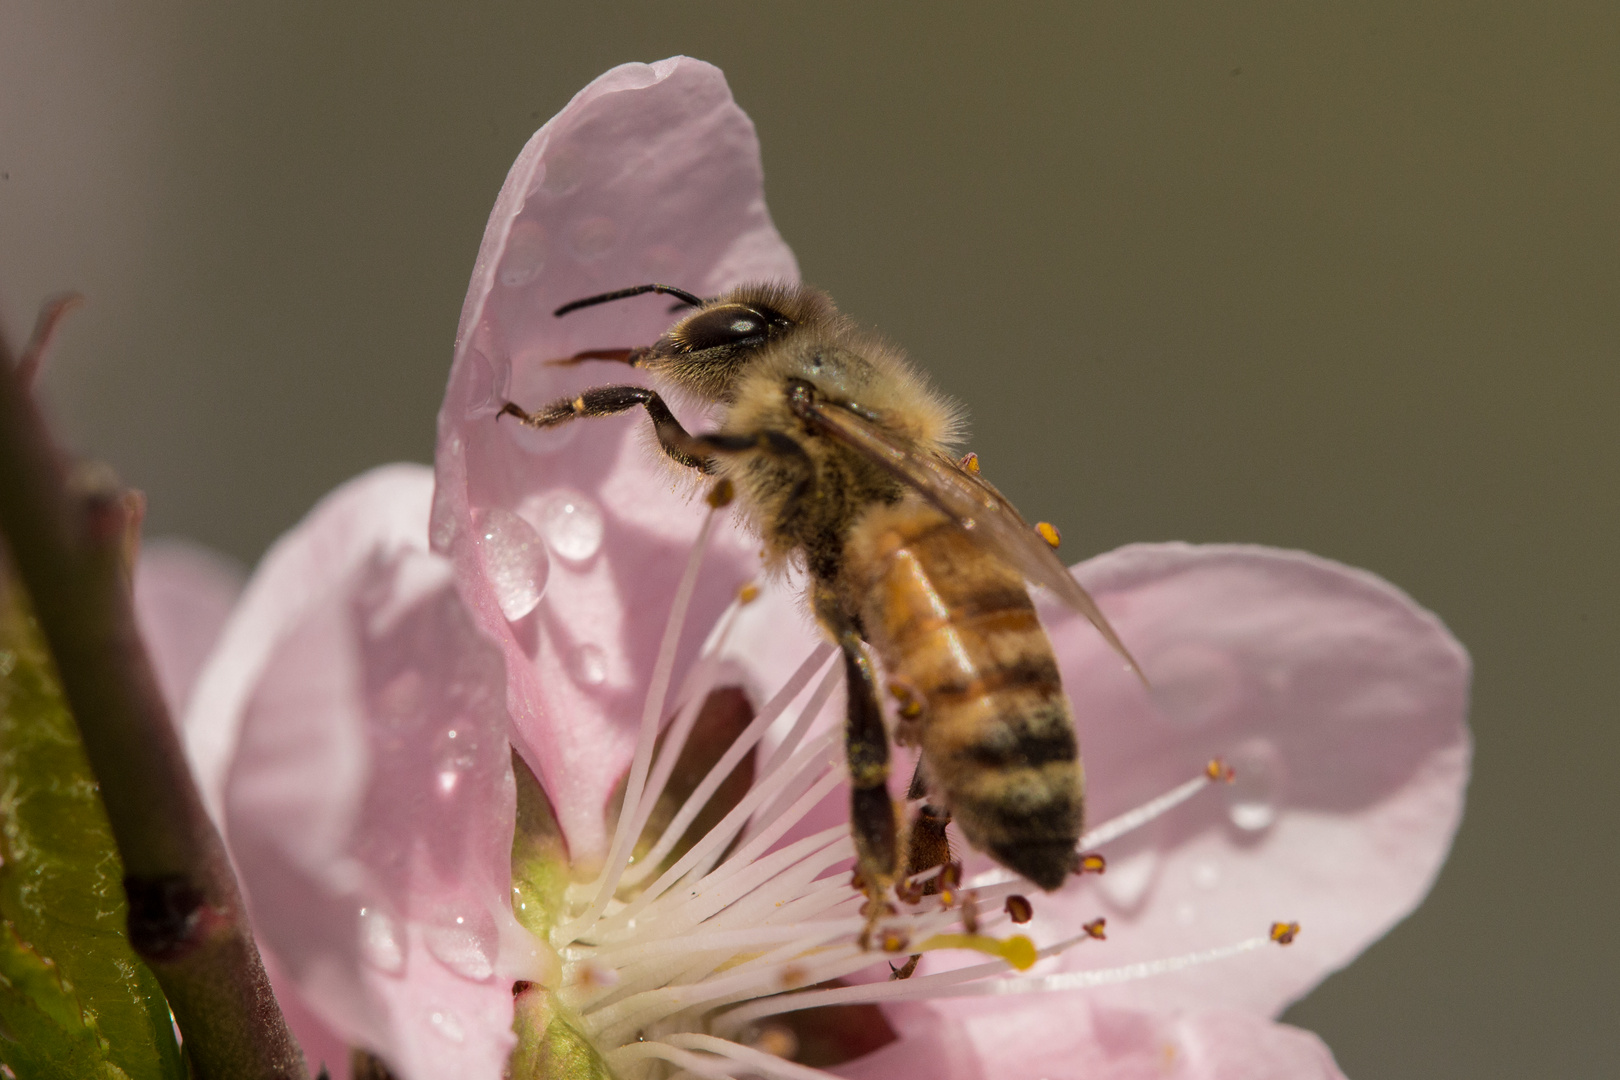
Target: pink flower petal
<point>183,595</point>
<point>367,796</point>
<point>651,173</point>
<point>1341,705</point>
<point>1070,1038</point>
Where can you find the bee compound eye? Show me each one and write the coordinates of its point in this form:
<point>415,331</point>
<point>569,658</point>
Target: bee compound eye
<point>728,324</point>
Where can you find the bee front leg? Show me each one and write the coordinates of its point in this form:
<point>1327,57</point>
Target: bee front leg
<point>872,815</point>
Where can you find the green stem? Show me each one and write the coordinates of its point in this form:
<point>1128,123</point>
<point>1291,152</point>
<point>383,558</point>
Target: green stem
<point>186,917</point>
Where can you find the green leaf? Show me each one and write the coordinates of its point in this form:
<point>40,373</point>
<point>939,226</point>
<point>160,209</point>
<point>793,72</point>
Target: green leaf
<point>74,999</point>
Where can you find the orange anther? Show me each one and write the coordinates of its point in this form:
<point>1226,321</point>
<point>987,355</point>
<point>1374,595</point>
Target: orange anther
<point>1283,933</point>
<point>1095,928</point>
<point>970,462</point>
<point>1049,532</point>
<point>1091,863</point>
<point>1019,909</point>
<point>748,594</point>
<point>1219,770</point>
<point>721,493</point>
<point>970,913</point>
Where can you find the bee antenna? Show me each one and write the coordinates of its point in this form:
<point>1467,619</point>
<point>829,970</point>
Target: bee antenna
<point>687,299</point>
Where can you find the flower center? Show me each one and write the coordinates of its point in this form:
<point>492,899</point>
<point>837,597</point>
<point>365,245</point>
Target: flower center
<point>707,933</point>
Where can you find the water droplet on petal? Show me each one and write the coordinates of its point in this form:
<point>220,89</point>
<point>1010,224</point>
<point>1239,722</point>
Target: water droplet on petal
<point>594,237</point>
<point>458,943</point>
<point>381,941</point>
<point>571,523</point>
<point>1206,875</point>
<point>590,665</point>
<point>1129,878</point>
<point>442,522</point>
<point>539,440</point>
<point>448,1024</point>
<point>1255,793</point>
<point>525,255</point>
<point>515,561</point>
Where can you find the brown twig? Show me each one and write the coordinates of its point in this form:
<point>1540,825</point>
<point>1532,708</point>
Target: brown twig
<point>68,536</point>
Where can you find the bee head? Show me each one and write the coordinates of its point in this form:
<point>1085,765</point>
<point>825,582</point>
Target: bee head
<point>710,346</point>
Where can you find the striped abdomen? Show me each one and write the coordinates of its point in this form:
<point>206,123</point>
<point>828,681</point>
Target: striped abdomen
<point>955,627</point>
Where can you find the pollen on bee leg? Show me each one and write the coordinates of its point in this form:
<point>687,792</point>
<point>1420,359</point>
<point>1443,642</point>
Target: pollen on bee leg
<point>721,493</point>
<point>1284,933</point>
<point>907,700</point>
<point>1049,533</point>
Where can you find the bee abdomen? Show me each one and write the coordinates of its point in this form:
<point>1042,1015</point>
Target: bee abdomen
<point>957,627</point>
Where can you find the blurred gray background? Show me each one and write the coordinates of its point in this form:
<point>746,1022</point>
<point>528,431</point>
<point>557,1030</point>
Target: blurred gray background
<point>1337,277</point>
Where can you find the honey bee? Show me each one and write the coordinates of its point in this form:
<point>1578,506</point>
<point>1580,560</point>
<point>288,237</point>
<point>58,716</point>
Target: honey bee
<point>841,458</point>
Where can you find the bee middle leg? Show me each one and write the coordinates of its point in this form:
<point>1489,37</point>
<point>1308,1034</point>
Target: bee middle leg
<point>872,814</point>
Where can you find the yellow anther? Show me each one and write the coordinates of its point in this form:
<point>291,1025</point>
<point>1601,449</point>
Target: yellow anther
<point>1283,933</point>
<point>793,976</point>
<point>1219,770</point>
<point>1048,532</point>
<point>1017,950</point>
<point>1091,863</point>
<point>1019,909</point>
<point>895,940</point>
<point>1097,928</point>
<point>721,493</point>
<point>970,462</point>
<point>748,594</point>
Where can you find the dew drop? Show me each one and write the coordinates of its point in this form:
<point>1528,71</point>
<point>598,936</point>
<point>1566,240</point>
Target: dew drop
<point>1255,793</point>
<point>541,441</point>
<point>447,1024</point>
<point>1206,875</point>
<point>455,941</point>
<point>594,237</point>
<point>590,665</point>
<point>525,255</point>
<point>571,523</point>
<point>381,942</point>
<point>1129,878</point>
<point>515,561</point>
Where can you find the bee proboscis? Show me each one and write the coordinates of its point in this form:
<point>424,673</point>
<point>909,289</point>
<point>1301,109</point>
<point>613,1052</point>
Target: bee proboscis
<point>841,457</point>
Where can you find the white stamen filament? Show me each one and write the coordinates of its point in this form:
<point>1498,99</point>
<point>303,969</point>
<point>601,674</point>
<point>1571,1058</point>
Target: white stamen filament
<point>657,688</point>
<point>728,933</point>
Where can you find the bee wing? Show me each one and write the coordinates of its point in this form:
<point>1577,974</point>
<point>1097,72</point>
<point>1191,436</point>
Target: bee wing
<point>972,502</point>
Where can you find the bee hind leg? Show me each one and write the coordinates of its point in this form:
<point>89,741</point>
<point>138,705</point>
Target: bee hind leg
<point>872,815</point>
